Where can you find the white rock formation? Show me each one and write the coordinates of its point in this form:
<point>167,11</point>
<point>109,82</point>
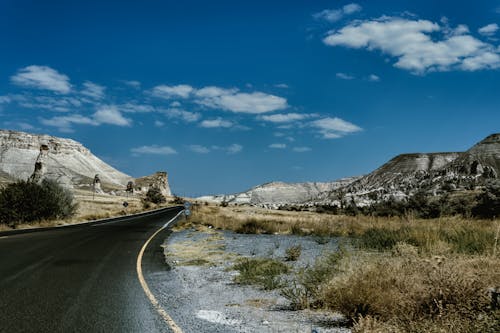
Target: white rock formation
<point>66,160</point>
<point>280,193</point>
<point>158,179</point>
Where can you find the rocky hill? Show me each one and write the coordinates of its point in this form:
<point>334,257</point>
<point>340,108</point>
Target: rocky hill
<point>34,156</point>
<point>401,177</point>
<point>434,173</point>
<point>276,194</point>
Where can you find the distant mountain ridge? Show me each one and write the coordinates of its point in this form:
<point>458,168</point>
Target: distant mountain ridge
<point>399,178</point>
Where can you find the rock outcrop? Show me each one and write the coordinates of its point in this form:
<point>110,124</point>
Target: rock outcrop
<point>276,194</point>
<point>25,155</point>
<point>158,179</point>
<point>401,177</point>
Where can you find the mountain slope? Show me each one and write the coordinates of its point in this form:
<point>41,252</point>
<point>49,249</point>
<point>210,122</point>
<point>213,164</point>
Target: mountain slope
<point>64,160</point>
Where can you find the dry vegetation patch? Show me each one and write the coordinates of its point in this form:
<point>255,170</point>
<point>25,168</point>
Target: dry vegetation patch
<point>401,275</point>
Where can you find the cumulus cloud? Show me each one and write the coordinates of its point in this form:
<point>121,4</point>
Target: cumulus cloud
<point>286,117</point>
<point>93,90</point>
<point>109,114</point>
<point>334,15</point>
<point>333,128</point>
<point>175,113</point>
<point>411,43</point>
<point>301,149</point>
<point>344,76</point>
<point>153,150</point>
<point>488,30</point>
<point>64,123</point>
<point>277,145</point>
<point>42,77</point>
<point>254,103</point>
<point>373,78</point>
<point>216,123</point>
<point>199,149</point>
<point>169,92</point>
<point>224,99</point>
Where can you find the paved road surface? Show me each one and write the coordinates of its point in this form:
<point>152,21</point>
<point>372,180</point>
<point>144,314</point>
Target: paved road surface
<point>81,279</point>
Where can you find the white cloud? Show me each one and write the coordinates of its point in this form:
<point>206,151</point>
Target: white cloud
<point>199,149</point>
<point>301,149</point>
<point>334,15</point>
<point>282,85</point>
<point>286,117</point>
<point>488,30</point>
<point>254,103</point>
<point>109,114</point>
<point>5,99</point>
<point>93,90</point>
<point>132,83</point>
<point>215,123</point>
<point>224,99</point>
<point>231,149</point>
<point>64,123</point>
<point>373,78</point>
<point>153,150</point>
<point>21,125</point>
<point>277,145</point>
<point>411,43</point>
<point>333,128</point>
<point>212,92</point>
<point>175,113</point>
<point>344,76</point>
<point>169,92</point>
<point>159,123</point>
<point>58,104</point>
<point>234,148</point>
<point>42,77</point>
<point>136,108</point>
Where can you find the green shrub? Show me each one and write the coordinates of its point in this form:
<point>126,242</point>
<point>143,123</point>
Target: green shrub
<point>305,290</point>
<point>488,202</point>
<point>25,202</point>
<point>260,271</point>
<point>155,196</point>
<point>293,253</point>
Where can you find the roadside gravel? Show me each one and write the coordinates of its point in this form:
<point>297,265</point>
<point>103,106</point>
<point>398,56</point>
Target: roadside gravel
<point>199,293</point>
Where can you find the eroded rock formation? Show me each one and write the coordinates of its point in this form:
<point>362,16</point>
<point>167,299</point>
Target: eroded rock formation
<point>158,179</point>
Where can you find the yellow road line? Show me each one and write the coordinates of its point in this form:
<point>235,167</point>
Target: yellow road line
<point>145,287</point>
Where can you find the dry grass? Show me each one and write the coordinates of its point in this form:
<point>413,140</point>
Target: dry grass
<point>425,275</point>
<point>93,207</point>
<point>453,234</point>
<point>207,251</point>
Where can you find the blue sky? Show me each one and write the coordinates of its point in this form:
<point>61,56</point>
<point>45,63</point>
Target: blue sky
<point>225,95</point>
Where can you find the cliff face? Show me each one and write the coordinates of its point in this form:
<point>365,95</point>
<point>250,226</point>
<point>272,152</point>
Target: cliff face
<point>64,160</point>
<point>158,180</point>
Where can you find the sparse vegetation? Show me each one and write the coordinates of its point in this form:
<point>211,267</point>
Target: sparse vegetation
<point>263,272</point>
<point>155,196</point>
<point>401,274</point>
<point>27,202</point>
<point>293,253</point>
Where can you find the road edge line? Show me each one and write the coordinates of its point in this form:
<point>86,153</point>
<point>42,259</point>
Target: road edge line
<point>165,316</point>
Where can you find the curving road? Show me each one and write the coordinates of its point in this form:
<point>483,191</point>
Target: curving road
<point>82,279</point>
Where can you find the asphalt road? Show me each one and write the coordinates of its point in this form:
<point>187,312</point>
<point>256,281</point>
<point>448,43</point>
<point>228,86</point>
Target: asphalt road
<point>81,279</point>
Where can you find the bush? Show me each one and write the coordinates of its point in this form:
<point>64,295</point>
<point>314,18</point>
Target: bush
<point>155,196</point>
<point>260,271</point>
<point>488,202</point>
<point>305,291</point>
<point>293,253</point>
<point>25,202</point>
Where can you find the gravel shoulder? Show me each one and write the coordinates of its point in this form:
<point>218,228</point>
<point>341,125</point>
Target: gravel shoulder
<point>199,293</point>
